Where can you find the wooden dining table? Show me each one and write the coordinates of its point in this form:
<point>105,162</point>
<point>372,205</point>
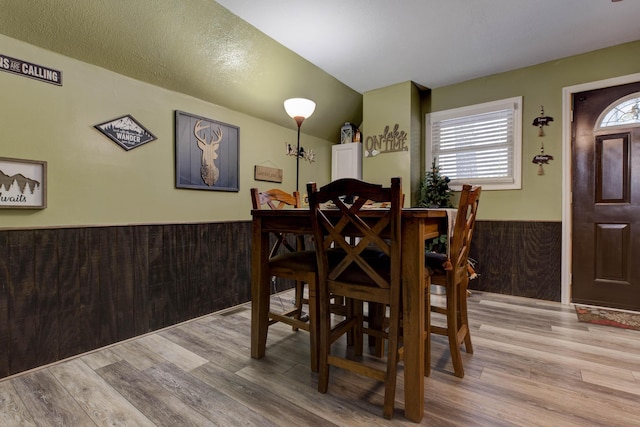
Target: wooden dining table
<point>418,224</point>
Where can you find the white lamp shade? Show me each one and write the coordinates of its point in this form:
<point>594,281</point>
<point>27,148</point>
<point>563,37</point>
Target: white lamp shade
<point>299,107</point>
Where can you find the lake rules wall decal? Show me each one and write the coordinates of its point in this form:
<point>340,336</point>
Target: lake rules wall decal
<point>389,141</point>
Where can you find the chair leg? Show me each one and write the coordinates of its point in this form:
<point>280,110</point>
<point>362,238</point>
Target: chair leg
<point>349,310</point>
<point>376,321</point>
<point>426,333</point>
<point>324,344</point>
<point>358,333</point>
<point>392,361</point>
<point>298,301</point>
<point>464,317</point>
<point>313,324</point>
<point>452,330</point>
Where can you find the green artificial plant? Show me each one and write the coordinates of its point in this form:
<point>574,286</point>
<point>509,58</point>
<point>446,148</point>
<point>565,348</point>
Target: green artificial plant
<point>434,192</point>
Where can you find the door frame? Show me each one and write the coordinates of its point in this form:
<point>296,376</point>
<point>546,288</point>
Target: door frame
<point>567,96</point>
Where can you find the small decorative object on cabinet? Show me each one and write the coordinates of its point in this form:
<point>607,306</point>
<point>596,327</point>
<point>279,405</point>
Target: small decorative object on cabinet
<point>346,161</point>
<point>348,133</point>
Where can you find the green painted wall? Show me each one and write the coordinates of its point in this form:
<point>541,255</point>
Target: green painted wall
<point>541,196</point>
<point>384,107</point>
<point>92,181</point>
<point>195,47</point>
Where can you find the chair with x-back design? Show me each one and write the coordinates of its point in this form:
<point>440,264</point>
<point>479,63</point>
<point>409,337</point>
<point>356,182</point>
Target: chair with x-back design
<point>362,269</point>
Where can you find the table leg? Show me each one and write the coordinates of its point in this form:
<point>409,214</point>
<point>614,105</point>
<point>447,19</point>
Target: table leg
<point>259,290</point>
<point>413,278</point>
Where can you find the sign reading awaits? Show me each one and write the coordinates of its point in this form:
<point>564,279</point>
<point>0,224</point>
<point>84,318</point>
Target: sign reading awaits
<point>27,69</point>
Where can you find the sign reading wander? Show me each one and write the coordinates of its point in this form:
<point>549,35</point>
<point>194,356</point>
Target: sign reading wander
<point>28,69</point>
<point>126,131</point>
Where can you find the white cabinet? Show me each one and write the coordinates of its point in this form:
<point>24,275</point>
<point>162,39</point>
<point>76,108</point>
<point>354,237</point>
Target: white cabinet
<point>346,161</point>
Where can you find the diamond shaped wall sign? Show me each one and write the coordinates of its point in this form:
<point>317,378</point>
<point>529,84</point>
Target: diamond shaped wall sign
<point>126,131</point>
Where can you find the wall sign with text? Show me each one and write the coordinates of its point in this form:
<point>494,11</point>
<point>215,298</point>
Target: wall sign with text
<point>23,183</point>
<point>389,141</point>
<point>126,131</point>
<point>28,69</point>
<point>265,173</point>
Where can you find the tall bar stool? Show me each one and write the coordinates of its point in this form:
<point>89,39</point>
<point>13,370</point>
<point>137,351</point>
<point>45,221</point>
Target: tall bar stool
<point>452,273</point>
<point>367,269</point>
<point>295,264</point>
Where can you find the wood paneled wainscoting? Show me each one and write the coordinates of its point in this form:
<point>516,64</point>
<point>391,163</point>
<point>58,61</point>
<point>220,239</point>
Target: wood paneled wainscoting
<point>521,258</point>
<point>65,291</point>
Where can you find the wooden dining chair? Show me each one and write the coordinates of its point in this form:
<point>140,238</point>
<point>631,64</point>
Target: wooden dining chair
<point>451,272</point>
<point>294,263</point>
<point>366,269</point>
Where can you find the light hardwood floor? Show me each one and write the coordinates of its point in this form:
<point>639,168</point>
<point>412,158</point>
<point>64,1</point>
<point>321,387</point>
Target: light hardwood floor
<point>534,365</point>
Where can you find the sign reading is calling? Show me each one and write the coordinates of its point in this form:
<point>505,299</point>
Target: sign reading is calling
<point>28,69</point>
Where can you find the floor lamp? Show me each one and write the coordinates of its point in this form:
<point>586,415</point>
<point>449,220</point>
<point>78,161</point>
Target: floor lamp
<point>299,109</point>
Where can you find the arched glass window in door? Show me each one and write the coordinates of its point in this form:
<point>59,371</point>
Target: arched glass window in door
<point>624,112</point>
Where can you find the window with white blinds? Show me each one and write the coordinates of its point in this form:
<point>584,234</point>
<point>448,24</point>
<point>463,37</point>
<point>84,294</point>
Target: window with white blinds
<point>478,144</point>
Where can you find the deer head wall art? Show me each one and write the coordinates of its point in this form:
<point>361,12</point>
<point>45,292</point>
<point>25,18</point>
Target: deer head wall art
<point>208,169</point>
<point>207,153</point>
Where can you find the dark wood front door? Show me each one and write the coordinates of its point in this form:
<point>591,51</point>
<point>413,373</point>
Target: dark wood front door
<point>606,204</point>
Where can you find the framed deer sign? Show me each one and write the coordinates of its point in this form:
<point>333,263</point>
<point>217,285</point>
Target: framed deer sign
<point>207,153</point>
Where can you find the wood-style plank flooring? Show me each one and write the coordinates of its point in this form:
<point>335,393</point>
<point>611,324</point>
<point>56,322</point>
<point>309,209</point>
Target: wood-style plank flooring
<point>534,365</point>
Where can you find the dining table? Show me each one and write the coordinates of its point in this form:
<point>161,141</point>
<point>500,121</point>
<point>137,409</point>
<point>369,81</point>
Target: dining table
<point>418,224</point>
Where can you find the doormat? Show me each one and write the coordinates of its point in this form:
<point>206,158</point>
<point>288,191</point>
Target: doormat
<point>608,317</point>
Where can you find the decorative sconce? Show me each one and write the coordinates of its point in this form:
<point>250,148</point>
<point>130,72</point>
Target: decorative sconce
<point>299,109</point>
<point>307,155</point>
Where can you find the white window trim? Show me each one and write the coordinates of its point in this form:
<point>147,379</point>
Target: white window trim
<point>516,103</point>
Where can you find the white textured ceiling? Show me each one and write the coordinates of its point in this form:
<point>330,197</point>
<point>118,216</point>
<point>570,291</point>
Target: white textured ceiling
<point>369,44</point>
